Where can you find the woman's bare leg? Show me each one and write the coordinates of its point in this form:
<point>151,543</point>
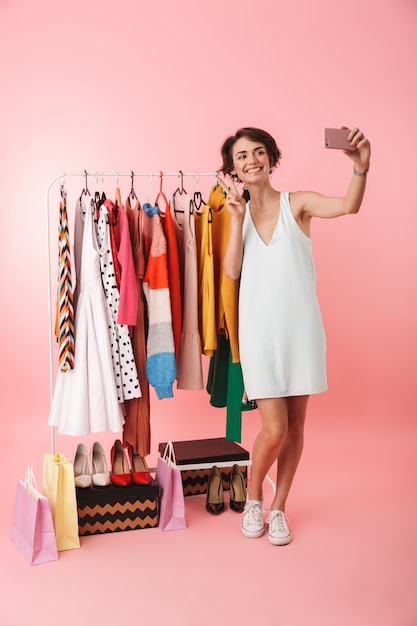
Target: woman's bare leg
<point>291,450</point>
<point>267,445</point>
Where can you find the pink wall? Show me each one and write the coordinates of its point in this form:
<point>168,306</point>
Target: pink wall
<point>115,86</point>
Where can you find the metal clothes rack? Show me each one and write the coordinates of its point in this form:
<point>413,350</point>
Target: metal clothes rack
<point>116,175</point>
<point>85,174</point>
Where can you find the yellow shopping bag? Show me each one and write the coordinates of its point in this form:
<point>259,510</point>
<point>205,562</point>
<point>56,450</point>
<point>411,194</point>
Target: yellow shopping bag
<point>58,486</point>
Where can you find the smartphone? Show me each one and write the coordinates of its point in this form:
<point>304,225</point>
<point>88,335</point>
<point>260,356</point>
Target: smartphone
<point>337,138</point>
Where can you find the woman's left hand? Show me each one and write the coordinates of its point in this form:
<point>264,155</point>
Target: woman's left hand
<point>361,155</point>
<point>235,202</point>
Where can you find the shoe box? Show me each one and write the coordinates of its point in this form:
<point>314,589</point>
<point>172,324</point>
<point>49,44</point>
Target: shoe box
<point>212,451</point>
<point>114,509</point>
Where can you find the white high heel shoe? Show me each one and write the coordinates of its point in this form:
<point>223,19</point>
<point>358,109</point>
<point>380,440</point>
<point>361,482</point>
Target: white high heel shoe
<point>82,474</point>
<point>100,471</point>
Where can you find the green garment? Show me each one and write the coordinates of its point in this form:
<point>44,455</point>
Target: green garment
<point>225,386</point>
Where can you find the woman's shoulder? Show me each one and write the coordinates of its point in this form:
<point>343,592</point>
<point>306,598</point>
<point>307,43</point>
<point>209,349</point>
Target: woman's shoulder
<point>299,199</point>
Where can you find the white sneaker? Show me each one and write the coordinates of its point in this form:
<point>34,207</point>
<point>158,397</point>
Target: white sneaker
<point>253,525</point>
<point>279,534</point>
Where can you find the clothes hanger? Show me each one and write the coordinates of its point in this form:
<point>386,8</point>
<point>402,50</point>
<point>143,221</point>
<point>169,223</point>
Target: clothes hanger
<point>99,198</point>
<point>118,195</point>
<point>180,190</point>
<point>160,192</point>
<point>85,191</point>
<point>150,188</point>
<point>132,193</point>
<point>198,201</point>
<point>62,190</point>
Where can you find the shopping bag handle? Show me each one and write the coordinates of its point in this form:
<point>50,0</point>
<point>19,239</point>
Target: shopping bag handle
<point>169,454</point>
<point>29,481</point>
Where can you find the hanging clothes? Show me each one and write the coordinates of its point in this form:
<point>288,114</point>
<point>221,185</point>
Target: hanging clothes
<point>126,377</point>
<point>190,371</point>
<point>173,276</point>
<point>206,286</point>
<point>160,363</point>
<point>64,327</point>
<point>85,398</point>
<point>112,209</point>
<point>227,290</point>
<point>128,296</point>
<point>225,380</point>
<point>136,430</point>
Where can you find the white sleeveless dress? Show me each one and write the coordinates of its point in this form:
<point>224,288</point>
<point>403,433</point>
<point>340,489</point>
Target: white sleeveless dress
<point>281,336</point>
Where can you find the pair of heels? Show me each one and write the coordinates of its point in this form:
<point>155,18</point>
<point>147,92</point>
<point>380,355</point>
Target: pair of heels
<point>215,495</point>
<point>128,467</point>
<point>90,469</point>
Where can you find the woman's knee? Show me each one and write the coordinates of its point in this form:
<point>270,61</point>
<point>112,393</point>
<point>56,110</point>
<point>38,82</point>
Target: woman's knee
<point>274,434</point>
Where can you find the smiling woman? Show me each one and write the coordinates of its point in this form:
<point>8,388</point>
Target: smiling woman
<point>281,336</point>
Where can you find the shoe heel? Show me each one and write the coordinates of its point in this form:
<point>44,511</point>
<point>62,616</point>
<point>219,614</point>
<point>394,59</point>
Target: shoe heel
<point>215,495</point>
<point>237,489</point>
<point>140,470</point>
<point>120,472</point>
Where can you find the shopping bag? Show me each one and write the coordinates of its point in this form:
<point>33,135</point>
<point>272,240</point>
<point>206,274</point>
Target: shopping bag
<point>32,527</point>
<point>172,509</point>
<point>58,485</point>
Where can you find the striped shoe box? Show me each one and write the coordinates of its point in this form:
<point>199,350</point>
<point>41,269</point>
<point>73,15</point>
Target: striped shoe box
<point>114,509</point>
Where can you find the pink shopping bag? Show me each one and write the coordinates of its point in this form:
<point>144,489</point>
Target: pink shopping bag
<point>172,509</point>
<point>32,526</point>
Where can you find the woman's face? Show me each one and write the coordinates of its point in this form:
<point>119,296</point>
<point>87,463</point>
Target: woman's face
<point>250,160</point>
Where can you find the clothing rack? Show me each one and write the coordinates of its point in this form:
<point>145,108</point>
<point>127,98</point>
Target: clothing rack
<point>85,174</point>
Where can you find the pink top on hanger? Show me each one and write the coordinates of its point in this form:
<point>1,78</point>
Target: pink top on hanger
<point>128,287</point>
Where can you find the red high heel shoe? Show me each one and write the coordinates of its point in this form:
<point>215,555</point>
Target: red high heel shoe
<point>140,470</point>
<point>120,471</point>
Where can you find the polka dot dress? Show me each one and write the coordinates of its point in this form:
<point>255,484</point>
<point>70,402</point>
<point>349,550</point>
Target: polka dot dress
<point>124,365</point>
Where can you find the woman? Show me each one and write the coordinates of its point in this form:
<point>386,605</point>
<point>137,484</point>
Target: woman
<point>281,337</point>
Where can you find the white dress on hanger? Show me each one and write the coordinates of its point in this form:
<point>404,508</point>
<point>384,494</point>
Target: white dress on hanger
<point>124,365</point>
<point>85,398</point>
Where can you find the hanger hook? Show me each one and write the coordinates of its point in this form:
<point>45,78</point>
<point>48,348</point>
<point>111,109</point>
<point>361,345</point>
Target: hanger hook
<point>150,186</point>
<point>85,183</point>
<point>182,182</point>
<point>161,176</point>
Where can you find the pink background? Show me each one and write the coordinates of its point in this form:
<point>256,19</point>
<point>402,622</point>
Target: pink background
<point>116,86</point>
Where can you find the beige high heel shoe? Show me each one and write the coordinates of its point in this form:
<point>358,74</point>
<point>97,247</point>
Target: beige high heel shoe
<point>99,469</point>
<point>82,473</point>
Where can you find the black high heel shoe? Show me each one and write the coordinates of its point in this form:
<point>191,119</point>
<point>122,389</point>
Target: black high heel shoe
<point>215,496</point>
<point>237,489</point>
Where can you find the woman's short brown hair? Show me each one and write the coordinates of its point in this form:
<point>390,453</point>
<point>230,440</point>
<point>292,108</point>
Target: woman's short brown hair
<point>253,134</point>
